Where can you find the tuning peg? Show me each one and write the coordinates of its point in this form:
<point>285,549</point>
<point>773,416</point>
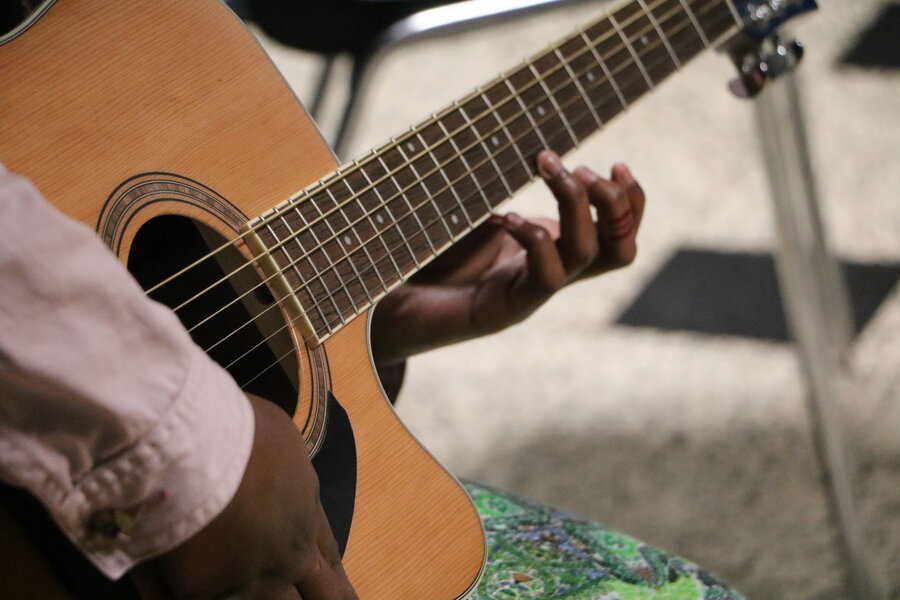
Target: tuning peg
<point>784,58</point>
<point>769,60</point>
<point>752,77</point>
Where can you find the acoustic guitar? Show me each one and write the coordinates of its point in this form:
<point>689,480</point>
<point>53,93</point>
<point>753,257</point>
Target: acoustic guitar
<point>165,127</point>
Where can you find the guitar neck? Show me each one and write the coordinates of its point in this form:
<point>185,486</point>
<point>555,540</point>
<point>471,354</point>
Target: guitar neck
<point>346,241</point>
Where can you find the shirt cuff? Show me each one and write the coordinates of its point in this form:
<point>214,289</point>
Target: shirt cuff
<point>168,485</point>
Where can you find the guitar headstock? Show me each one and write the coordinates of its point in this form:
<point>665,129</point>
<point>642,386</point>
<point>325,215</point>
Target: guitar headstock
<point>762,17</point>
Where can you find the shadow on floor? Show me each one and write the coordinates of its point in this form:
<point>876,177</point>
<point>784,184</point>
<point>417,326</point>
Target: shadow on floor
<point>732,293</point>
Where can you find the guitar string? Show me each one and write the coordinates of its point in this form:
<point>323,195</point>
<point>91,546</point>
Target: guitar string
<point>364,244</point>
<point>357,194</point>
<point>280,358</point>
<point>355,166</point>
<point>299,196</point>
<point>342,173</point>
<point>419,181</point>
<point>375,264</point>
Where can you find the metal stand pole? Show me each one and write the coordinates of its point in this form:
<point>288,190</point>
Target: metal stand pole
<point>817,308</point>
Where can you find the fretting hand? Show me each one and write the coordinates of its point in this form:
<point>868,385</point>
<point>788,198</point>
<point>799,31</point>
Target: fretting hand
<point>505,269</point>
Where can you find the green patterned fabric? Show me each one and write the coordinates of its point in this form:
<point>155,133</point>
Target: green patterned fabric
<point>539,553</point>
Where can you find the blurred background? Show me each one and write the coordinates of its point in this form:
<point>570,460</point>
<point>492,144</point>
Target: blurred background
<point>664,400</point>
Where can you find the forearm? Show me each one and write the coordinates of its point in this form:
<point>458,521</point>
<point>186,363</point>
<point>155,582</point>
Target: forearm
<point>416,318</point>
<point>108,411</point>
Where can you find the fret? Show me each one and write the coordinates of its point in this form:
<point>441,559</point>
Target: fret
<point>607,73</point>
<point>414,225</point>
<point>362,231</point>
<point>634,54</point>
<point>331,270</point>
<point>291,265</point>
<point>477,106</point>
<point>679,28</point>
<point>716,18</point>
<point>345,241</point>
<point>411,147</point>
<point>527,114</point>
<point>648,46</point>
<point>693,18</point>
<point>493,186</point>
<point>358,208</point>
<point>566,95</point>
<point>474,202</point>
<point>550,96</point>
<point>384,235</point>
<point>414,194</point>
<point>460,181</point>
<point>526,140</point>
<point>577,82</point>
<point>539,109</point>
<point>349,240</point>
<point>282,231</point>
<point>519,176</point>
<point>602,98</point>
<point>459,226</point>
<point>493,131</point>
<point>283,260</point>
<point>734,13</point>
<point>662,36</point>
<point>305,285</point>
<point>463,141</point>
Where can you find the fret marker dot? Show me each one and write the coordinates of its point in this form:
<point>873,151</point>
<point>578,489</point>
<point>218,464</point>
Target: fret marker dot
<point>541,111</point>
<point>411,147</point>
<point>454,219</point>
<point>348,241</point>
<point>644,40</point>
<point>591,77</point>
<point>495,140</point>
<point>380,219</point>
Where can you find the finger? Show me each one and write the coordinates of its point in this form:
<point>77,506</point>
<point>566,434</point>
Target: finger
<point>545,273</point>
<point>615,227</point>
<point>324,577</point>
<point>577,242</point>
<point>621,174</point>
<point>323,580</point>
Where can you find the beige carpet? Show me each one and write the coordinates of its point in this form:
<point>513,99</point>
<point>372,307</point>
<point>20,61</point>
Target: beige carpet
<point>699,444</point>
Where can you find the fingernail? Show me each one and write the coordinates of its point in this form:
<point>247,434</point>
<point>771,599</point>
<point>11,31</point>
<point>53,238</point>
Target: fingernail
<point>549,165</point>
<point>495,219</point>
<point>514,219</point>
<point>585,175</point>
<point>624,173</point>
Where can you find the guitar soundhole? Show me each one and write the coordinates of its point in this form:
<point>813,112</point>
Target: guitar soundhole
<point>222,303</point>
<point>14,13</point>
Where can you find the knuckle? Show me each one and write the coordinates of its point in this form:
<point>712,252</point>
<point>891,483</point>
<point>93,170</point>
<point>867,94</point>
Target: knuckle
<point>583,255</point>
<point>588,253</point>
<point>551,283</point>
<point>601,189</point>
<point>535,234</point>
<point>571,187</point>
<point>627,256</point>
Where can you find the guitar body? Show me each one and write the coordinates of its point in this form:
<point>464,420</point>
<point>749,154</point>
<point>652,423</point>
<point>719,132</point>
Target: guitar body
<point>126,114</point>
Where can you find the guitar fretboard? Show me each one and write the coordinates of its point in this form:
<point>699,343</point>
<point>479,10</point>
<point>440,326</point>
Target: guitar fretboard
<point>346,241</point>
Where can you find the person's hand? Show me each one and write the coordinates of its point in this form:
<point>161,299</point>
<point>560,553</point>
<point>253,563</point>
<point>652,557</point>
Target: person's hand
<point>505,269</point>
<point>273,540</point>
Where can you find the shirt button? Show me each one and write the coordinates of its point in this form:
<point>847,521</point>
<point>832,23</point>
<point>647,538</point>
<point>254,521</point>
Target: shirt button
<point>106,529</point>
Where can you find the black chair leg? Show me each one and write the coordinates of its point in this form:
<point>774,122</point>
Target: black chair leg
<point>315,107</point>
<point>362,65</point>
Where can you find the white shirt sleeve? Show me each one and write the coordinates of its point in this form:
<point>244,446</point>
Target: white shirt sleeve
<point>131,437</point>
